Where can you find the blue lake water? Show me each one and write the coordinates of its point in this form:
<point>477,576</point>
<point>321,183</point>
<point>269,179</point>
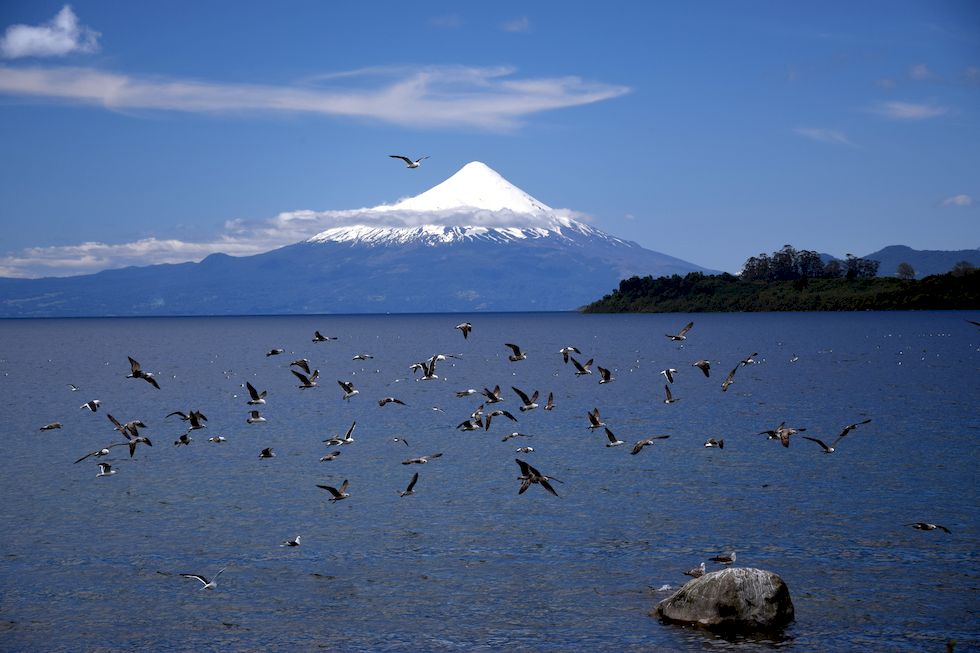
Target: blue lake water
<point>467,563</point>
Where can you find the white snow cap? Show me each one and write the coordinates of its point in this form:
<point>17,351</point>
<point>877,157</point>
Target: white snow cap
<point>476,185</point>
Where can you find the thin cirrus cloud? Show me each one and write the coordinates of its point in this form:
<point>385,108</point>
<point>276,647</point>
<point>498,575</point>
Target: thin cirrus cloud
<point>833,136</point>
<point>61,36</point>
<point>909,110</point>
<point>958,200</point>
<point>244,238</point>
<point>522,24</point>
<point>434,96</point>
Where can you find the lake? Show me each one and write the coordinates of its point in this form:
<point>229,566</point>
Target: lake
<point>466,563</point>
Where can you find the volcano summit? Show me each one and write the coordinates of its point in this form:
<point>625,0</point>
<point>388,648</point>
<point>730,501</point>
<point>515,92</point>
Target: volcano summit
<point>474,242</point>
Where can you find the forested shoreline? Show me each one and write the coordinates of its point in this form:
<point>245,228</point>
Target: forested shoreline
<point>791,280</point>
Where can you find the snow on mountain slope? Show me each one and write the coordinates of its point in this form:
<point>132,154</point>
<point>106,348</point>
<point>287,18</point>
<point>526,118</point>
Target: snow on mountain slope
<point>475,186</point>
<point>475,204</point>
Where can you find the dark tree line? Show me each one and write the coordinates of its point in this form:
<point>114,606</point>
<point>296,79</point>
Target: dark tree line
<point>789,264</point>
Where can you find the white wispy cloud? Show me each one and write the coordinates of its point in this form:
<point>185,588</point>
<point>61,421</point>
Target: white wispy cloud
<point>834,136</point>
<point>909,110</point>
<point>60,36</point>
<point>245,237</point>
<point>921,72</point>
<point>522,24</point>
<point>447,21</point>
<point>887,82</point>
<point>957,200</point>
<point>434,96</point>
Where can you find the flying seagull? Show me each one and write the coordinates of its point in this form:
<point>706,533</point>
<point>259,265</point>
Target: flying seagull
<point>319,337</point>
<point>730,379</point>
<point>217,439</point>
<point>256,396</point>
<point>105,469</point>
<point>712,443</point>
<point>348,388</point>
<point>184,439</point>
<point>580,368</point>
<point>254,417</point>
<point>518,355</point>
<point>704,366</point>
<point>682,334</point>
<point>550,404</point>
<point>493,396</point>
<point>497,413</point>
<point>92,405</point>
<point>302,363</point>
<point>781,433</point>
<point>515,434</point>
<point>408,162</point>
<point>267,453</point>
<point>421,460</point>
<point>208,584</point>
<point>594,420</point>
<point>411,486</point>
<point>330,456</point>
<point>530,403</point>
<point>638,447</point>
<point>565,351</point>
<point>306,381</point>
<point>362,357</point>
<point>51,426</point>
<point>274,352</point>
<point>391,400</point>
<point>926,526</point>
<point>292,542</point>
<point>465,328</point>
<point>605,376</point>
<point>98,453</point>
<point>669,374</point>
<point>530,475</point>
<point>669,397</point>
<point>136,372</point>
<point>347,439</point>
<point>613,440</point>
<point>724,559</point>
<point>337,494</point>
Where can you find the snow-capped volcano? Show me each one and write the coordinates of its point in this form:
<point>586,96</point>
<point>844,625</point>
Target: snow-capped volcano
<point>475,242</point>
<point>476,203</point>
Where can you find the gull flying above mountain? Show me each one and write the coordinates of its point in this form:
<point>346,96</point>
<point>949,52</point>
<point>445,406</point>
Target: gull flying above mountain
<point>408,162</point>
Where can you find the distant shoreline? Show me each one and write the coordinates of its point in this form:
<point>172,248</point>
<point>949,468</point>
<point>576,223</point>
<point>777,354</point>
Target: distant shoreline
<point>700,293</point>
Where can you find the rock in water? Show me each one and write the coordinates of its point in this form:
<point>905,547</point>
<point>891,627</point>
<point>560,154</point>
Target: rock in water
<point>731,599</point>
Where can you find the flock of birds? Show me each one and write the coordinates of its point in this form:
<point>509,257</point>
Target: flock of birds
<point>479,420</point>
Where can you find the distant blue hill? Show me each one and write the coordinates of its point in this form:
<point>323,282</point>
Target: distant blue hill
<point>924,261</point>
<point>540,274</point>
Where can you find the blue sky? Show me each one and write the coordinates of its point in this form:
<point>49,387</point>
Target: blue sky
<point>136,132</point>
